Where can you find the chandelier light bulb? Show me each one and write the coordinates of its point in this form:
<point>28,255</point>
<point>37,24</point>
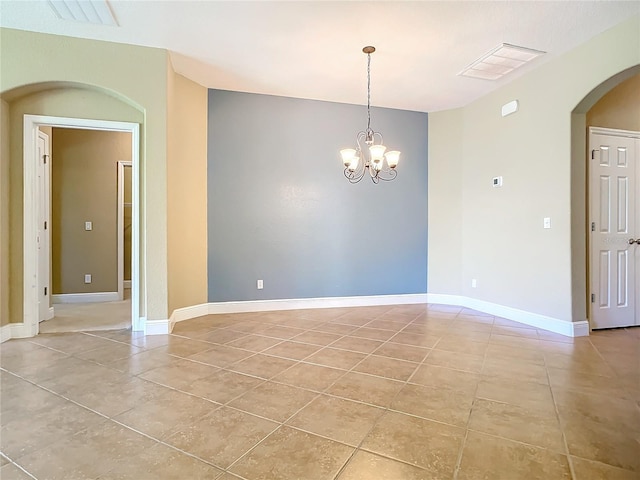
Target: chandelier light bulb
<point>369,147</point>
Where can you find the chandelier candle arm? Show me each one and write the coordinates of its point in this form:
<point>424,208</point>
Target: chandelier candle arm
<point>380,165</point>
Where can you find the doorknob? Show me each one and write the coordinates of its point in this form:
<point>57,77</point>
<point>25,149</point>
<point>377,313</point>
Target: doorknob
<point>632,241</point>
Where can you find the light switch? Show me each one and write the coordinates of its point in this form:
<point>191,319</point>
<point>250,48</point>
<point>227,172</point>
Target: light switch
<point>88,226</point>
<point>547,222</point>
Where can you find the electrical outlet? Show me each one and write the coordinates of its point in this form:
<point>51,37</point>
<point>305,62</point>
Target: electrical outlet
<point>474,283</point>
<point>260,284</point>
<point>546,222</point>
<point>87,278</point>
<point>88,226</point>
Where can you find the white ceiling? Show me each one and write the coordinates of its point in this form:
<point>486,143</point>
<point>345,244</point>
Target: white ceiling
<point>313,49</point>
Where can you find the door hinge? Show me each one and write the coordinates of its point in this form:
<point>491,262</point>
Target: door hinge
<point>593,298</point>
<point>45,225</point>
<point>593,153</point>
<point>45,291</point>
<point>44,157</point>
<point>593,226</point>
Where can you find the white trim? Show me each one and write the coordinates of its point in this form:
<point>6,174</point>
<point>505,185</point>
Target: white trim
<point>614,132</point>
<point>563,327</point>
<point>157,327</point>
<point>85,297</point>
<point>187,313</point>
<point>30,219</point>
<point>20,330</point>
<point>305,303</point>
<point>52,313</point>
<point>126,283</point>
<point>5,333</point>
<point>120,226</point>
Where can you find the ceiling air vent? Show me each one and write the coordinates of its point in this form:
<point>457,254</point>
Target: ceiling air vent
<point>86,11</point>
<point>500,61</point>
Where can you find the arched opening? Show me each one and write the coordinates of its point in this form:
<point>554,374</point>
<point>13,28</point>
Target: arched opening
<point>581,295</point>
<point>63,105</point>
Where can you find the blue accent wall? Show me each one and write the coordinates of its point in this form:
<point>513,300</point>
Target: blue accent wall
<point>281,210</point>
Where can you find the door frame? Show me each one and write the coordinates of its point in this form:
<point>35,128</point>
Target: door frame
<point>614,133</point>
<point>120,224</point>
<point>47,231</point>
<point>30,324</point>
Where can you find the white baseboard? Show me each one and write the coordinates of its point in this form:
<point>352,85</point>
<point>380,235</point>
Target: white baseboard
<point>85,297</point>
<point>157,327</point>
<point>5,333</point>
<point>563,327</point>
<point>52,313</point>
<point>126,283</point>
<point>187,313</point>
<point>306,303</point>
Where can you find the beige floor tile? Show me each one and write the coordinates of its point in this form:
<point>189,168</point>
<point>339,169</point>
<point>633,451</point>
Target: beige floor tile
<point>462,345</point>
<point>373,333</point>
<point>28,434</point>
<point>534,427</point>
<point>511,341</point>
<point>284,333</point>
<point>141,362</point>
<point>71,343</point>
<point>88,454</point>
<point>455,360</point>
<point>386,324</point>
<point>292,350</point>
<point>402,352</point>
<point>522,332</point>
<point>438,404</point>
<point>336,328</point>
<point>11,471</point>
<point>623,364</point>
<point>430,445</point>
<point>31,359</point>
<point>367,466</point>
<point>386,367</point>
<point>84,374</point>
<point>601,442</point>
<point>273,401</point>
<point>221,356</point>
<point>515,369</point>
<point>504,352</point>
<point>426,340</point>
<point>317,338</point>
<point>312,377</point>
<point>366,388</point>
<point>354,344</point>
<point>332,357</point>
<point>222,386</point>
<point>612,411</point>
<point>109,353</point>
<point>165,414</point>
<point>221,336</point>
<point>341,420</point>
<point>183,347</point>
<point>592,365</point>
<point>22,399</point>
<point>262,366</point>
<point>524,394</point>
<point>254,343</point>
<point>308,457</point>
<point>179,373</point>
<point>162,462</point>
<point>222,436</point>
<point>582,382</point>
<point>590,470</point>
<point>441,377</point>
<point>356,318</point>
<point>485,457</point>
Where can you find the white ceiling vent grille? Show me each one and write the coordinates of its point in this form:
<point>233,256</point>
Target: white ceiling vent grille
<point>500,61</point>
<point>86,11</point>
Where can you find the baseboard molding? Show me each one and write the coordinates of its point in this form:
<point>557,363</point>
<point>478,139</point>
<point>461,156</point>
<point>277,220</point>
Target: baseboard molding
<point>187,313</point>
<point>5,333</point>
<point>52,313</point>
<point>563,327</point>
<point>85,297</point>
<point>126,283</point>
<point>306,303</point>
<point>157,327</point>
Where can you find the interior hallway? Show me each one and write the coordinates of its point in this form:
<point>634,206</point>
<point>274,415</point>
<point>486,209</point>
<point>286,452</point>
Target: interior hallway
<point>88,317</point>
<point>397,392</point>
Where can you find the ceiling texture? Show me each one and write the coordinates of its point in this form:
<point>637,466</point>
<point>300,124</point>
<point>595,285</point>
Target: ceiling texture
<point>313,49</point>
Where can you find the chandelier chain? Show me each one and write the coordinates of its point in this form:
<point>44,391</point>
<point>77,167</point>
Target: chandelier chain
<point>368,92</point>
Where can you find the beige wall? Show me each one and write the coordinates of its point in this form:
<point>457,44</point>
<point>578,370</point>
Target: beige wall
<point>516,262</point>
<point>620,108</point>
<point>131,82</point>
<point>84,180</point>
<point>187,192</point>
<point>4,213</point>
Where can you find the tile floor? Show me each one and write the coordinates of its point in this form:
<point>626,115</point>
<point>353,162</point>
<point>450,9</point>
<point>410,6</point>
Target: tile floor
<point>390,393</point>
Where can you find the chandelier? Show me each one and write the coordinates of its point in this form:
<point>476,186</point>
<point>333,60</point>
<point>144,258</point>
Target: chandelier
<point>369,154</point>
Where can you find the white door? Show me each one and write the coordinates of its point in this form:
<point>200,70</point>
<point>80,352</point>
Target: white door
<point>44,224</point>
<point>615,227</point>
